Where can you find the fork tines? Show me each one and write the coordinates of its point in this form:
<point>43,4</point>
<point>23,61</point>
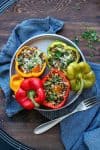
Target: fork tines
<point>90,101</point>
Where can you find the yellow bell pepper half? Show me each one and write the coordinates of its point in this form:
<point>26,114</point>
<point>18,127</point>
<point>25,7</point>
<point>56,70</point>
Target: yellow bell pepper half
<point>15,82</point>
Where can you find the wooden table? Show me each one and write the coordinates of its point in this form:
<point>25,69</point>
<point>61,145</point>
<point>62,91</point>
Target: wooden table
<point>78,16</point>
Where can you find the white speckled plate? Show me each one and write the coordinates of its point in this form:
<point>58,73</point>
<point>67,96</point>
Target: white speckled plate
<point>42,42</point>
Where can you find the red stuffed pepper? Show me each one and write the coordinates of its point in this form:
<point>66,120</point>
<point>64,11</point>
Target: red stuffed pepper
<point>31,93</point>
<point>57,88</point>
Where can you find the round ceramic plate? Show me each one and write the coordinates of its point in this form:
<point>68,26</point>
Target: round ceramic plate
<point>42,42</point>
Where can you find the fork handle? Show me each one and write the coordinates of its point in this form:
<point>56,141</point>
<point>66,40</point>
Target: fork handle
<point>48,125</point>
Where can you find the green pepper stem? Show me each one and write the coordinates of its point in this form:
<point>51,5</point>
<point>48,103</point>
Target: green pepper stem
<point>80,90</point>
<point>31,95</point>
<point>82,84</point>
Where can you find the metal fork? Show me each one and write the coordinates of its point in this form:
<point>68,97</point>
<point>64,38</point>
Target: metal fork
<point>84,105</point>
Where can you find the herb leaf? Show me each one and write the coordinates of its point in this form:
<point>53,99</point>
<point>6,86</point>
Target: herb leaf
<point>58,54</point>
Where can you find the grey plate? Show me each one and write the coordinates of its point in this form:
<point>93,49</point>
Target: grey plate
<point>42,42</point>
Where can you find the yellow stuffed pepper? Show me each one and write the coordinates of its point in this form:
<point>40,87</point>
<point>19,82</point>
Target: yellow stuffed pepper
<point>30,62</point>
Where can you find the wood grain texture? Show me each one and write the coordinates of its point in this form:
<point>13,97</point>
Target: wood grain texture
<point>78,16</point>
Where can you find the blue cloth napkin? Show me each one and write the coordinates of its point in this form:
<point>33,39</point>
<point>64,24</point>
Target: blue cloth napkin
<point>4,4</point>
<point>81,131</point>
<point>21,33</point>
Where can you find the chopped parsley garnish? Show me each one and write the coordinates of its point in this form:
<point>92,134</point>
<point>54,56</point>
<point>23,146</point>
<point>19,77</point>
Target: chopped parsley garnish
<point>91,37</point>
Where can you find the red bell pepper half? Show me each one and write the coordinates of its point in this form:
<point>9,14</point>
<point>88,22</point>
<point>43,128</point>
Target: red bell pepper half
<point>31,93</point>
<point>57,88</point>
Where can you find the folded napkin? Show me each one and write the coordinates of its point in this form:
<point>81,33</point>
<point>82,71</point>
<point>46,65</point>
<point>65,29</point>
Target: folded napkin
<point>4,4</point>
<point>21,33</point>
<point>81,131</point>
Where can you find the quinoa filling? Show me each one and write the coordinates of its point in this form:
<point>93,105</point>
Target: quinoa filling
<point>55,89</point>
<point>29,60</point>
<point>60,57</point>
